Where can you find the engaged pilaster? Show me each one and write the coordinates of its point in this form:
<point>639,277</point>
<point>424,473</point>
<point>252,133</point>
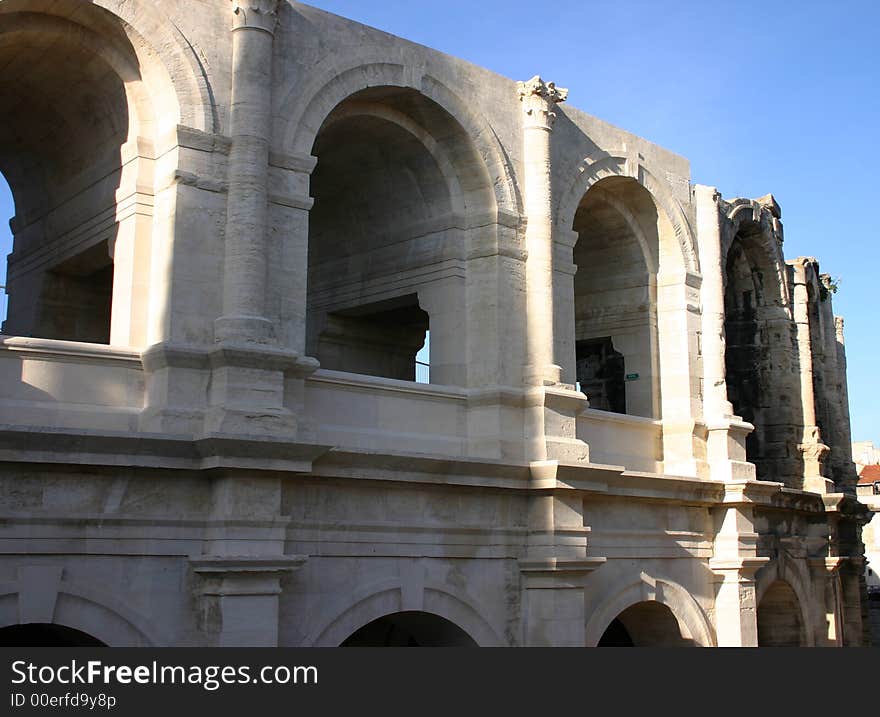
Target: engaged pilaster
<point>253,30</point>
<point>539,100</point>
<point>726,440</point>
<point>811,446</point>
<point>551,407</point>
<point>734,563</point>
<point>238,598</point>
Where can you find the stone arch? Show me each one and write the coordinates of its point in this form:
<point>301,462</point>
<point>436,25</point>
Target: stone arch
<point>304,110</point>
<point>395,245</point>
<point>618,260</point>
<point>390,597</point>
<point>764,244</point>
<point>795,575</point>
<point>91,609</point>
<point>684,608</point>
<point>591,171</point>
<point>83,230</point>
<point>162,42</point>
<point>407,124</point>
<point>760,354</point>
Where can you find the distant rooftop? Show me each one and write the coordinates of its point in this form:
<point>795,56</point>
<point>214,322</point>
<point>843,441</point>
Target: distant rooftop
<point>869,475</point>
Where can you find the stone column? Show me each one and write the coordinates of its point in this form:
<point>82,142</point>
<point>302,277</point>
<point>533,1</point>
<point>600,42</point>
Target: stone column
<point>550,407</point>
<point>244,283</point>
<point>715,403</point>
<point>844,427</point>
<point>811,446</point>
<point>726,434</point>
<point>539,100</point>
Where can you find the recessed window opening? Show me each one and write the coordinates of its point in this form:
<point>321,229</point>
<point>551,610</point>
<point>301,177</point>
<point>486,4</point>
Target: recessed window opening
<point>601,374</point>
<point>7,211</point>
<point>615,323</point>
<point>378,339</point>
<point>423,361</point>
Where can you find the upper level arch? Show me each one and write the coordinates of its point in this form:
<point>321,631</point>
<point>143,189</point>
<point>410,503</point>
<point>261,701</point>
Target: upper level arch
<point>402,201</point>
<point>302,112</point>
<point>592,170</point>
<point>755,228</point>
<point>90,95</point>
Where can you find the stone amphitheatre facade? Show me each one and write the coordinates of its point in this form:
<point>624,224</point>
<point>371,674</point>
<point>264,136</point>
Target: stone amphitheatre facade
<point>236,222</point>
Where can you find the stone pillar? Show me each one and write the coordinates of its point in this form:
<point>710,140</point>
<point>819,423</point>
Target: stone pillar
<point>715,403</point>
<point>828,612</point>
<point>256,384</point>
<point>550,407</point>
<point>734,563</point>
<point>539,100</point>
<point>244,281</point>
<point>811,446</point>
<point>844,427</point>
<point>726,434</point>
<point>238,598</point>
<point>557,565</point>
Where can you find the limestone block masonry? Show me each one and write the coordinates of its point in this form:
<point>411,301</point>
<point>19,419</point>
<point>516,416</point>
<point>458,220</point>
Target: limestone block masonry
<point>317,336</point>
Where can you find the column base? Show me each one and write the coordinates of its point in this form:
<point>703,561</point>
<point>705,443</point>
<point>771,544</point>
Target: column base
<point>244,330</point>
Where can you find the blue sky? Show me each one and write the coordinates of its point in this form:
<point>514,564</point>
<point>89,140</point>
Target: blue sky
<point>772,96</point>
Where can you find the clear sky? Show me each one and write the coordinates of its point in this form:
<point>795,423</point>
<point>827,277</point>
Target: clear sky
<point>772,96</point>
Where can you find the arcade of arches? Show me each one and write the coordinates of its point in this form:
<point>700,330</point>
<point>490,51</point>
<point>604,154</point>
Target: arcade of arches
<point>236,229</point>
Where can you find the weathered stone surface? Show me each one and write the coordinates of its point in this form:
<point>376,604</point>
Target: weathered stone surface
<point>227,258</point>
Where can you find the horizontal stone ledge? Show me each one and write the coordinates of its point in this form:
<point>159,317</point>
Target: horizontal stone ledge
<point>107,448</point>
<point>292,201</point>
<point>266,357</point>
<point>231,564</point>
<point>558,573</point>
<point>57,349</point>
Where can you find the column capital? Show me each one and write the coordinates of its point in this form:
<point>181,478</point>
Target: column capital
<point>539,99</point>
<point>255,15</point>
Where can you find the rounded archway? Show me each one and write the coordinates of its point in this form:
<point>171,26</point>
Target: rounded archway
<point>46,635</point>
<point>79,126</point>
<point>615,295</point>
<point>646,624</point>
<point>760,346</point>
<point>396,187</point>
<point>779,617</point>
<point>410,629</point>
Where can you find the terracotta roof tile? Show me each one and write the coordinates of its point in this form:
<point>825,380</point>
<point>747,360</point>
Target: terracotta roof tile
<point>870,474</point>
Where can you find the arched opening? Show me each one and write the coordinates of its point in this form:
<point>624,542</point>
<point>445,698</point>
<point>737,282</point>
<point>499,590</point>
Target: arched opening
<point>410,629</point>
<point>395,182</point>
<point>646,624</point>
<point>46,635</point>
<point>615,297</point>
<point>7,211</point>
<point>779,618</point>
<point>761,378</point>
<point>77,136</point>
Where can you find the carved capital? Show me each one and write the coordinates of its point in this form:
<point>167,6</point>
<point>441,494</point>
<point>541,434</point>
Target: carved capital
<point>815,452</point>
<point>539,99</point>
<point>255,14</point>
